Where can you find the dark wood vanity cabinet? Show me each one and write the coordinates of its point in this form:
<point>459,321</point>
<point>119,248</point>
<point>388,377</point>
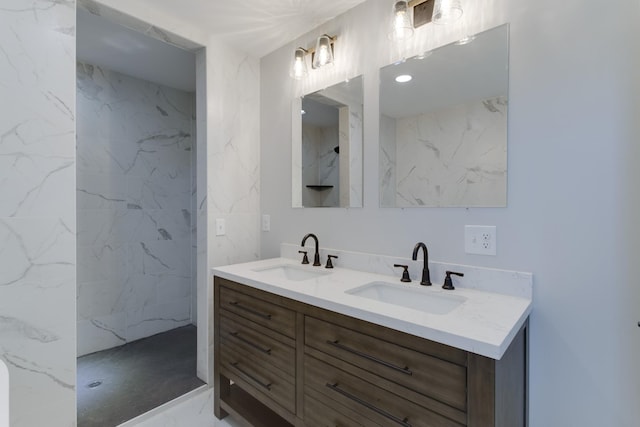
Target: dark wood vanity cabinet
<point>292,364</point>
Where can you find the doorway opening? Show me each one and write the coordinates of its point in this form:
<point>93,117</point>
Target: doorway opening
<point>136,222</point>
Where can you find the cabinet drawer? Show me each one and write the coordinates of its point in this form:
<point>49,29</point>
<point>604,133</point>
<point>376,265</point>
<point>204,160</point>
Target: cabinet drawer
<point>262,312</point>
<point>376,404</point>
<point>319,411</point>
<point>256,342</point>
<point>261,378</point>
<point>427,375</point>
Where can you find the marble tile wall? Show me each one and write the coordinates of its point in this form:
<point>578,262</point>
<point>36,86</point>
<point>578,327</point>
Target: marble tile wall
<point>38,189</point>
<point>231,174</point>
<point>37,210</point>
<point>134,200</point>
<point>320,165</point>
<point>462,156</point>
<point>354,141</point>
<point>387,161</point>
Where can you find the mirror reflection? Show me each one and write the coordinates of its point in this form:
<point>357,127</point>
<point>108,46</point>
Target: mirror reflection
<point>443,125</point>
<point>327,147</point>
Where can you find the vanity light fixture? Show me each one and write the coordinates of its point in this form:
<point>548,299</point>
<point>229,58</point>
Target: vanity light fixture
<point>401,21</point>
<point>321,55</point>
<point>403,78</point>
<point>409,14</point>
<point>446,11</point>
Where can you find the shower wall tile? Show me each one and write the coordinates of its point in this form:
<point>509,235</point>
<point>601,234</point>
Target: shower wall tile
<point>462,153</point>
<point>320,165</point>
<point>387,177</point>
<point>134,196</point>
<point>37,210</point>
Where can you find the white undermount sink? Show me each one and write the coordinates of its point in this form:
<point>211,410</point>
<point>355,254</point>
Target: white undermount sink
<point>293,272</point>
<point>427,300</point>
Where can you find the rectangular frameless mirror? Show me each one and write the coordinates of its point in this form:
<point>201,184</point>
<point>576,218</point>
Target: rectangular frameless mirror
<point>327,147</point>
<point>443,133</point>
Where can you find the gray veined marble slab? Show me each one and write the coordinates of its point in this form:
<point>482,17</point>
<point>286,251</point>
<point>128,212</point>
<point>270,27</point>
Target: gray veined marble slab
<point>461,152</point>
<point>37,209</point>
<point>135,195</point>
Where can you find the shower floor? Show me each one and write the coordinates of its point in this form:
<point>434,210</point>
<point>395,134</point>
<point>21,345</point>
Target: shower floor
<point>136,377</point>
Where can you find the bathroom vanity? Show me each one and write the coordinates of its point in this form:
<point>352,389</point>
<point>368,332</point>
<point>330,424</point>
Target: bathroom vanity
<point>302,346</point>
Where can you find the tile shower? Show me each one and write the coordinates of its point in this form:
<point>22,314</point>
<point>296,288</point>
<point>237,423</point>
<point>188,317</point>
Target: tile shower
<point>135,202</point>
<point>462,161</point>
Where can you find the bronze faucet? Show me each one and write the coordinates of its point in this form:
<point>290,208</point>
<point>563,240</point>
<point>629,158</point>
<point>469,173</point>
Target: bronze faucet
<point>316,257</point>
<point>426,280</point>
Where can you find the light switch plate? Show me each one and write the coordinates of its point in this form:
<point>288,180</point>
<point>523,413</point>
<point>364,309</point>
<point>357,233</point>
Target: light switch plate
<point>266,222</point>
<point>221,229</point>
<point>480,239</point>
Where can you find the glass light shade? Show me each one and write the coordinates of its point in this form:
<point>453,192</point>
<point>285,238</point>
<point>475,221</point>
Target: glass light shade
<point>401,23</point>
<point>323,54</point>
<point>446,11</point>
<point>465,40</point>
<point>299,66</point>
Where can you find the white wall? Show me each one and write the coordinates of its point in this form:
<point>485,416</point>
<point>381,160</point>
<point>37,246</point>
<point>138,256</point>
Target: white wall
<point>573,201</point>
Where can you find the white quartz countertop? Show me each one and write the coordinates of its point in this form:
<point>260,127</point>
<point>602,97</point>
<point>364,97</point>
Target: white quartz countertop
<point>485,323</point>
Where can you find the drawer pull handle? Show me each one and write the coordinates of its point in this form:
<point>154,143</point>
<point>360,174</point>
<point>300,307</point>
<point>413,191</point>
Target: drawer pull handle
<point>237,336</point>
<point>250,310</point>
<point>251,377</point>
<point>402,421</point>
<point>337,344</point>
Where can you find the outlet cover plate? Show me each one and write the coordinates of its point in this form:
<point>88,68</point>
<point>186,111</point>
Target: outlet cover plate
<point>480,239</point>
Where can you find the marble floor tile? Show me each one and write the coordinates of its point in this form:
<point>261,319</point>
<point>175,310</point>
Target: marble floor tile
<point>192,410</point>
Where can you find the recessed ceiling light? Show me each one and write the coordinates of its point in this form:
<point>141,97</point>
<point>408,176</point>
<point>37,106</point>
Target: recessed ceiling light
<point>403,78</point>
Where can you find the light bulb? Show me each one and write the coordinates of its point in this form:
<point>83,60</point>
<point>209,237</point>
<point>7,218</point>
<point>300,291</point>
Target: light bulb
<point>446,11</point>
<point>401,25</point>
<point>323,54</point>
<point>299,67</point>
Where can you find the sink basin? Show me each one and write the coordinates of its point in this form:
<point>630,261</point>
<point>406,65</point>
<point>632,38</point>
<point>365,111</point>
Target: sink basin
<point>293,272</point>
<point>426,300</point>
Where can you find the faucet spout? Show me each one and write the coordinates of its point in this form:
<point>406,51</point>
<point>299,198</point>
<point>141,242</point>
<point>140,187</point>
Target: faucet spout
<point>316,257</point>
<point>426,279</point>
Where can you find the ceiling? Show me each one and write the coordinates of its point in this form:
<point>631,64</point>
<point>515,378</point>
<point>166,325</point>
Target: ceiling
<point>257,27</point>
<point>105,44</point>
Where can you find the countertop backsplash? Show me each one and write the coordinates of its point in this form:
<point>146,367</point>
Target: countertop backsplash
<point>506,282</point>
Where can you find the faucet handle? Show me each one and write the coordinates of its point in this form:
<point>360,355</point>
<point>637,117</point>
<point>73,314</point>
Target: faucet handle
<point>448,283</point>
<point>329,263</point>
<point>405,272</point>
<point>305,258</point>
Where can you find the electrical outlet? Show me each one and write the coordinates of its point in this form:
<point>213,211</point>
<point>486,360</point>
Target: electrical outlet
<point>480,239</point>
<point>266,222</point>
<point>220,227</point>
